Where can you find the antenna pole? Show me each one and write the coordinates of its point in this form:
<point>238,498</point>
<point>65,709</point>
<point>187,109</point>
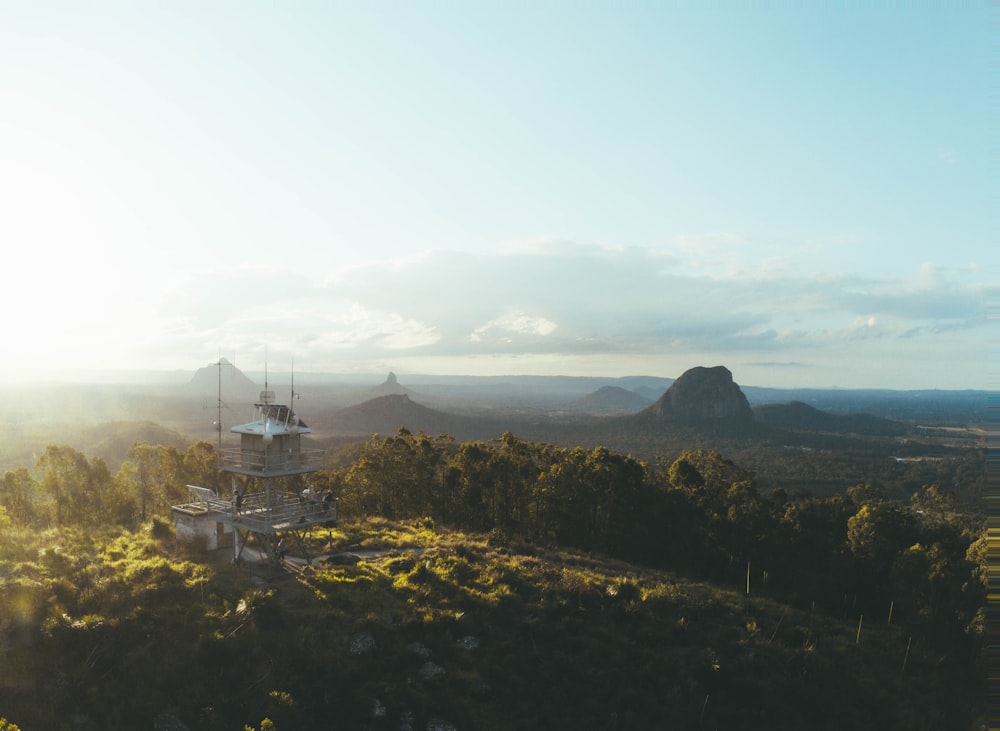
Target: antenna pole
<point>218,407</point>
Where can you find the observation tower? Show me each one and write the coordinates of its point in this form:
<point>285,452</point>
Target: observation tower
<point>270,498</point>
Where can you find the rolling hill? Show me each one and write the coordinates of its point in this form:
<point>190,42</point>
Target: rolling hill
<point>387,414</point>
<point>609,400</point>
<point>797,416</point>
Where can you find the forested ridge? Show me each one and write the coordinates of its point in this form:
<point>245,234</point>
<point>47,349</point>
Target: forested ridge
<point>506,583</point>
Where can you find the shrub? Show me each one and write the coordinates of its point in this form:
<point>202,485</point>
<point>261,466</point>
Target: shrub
<point>162,529</point>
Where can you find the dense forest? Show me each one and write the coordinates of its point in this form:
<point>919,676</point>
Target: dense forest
<point>497,584</point>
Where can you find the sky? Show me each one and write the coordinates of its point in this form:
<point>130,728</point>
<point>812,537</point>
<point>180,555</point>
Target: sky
<point>798,191</point>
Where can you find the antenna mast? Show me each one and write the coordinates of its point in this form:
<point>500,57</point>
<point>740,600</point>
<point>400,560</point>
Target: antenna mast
<point>266,396</point>
<point>218,406</point>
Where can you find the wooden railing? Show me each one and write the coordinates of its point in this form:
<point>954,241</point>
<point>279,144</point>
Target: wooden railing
<point>264,463</point>
<point>265,512</point>
<point>285,512</point>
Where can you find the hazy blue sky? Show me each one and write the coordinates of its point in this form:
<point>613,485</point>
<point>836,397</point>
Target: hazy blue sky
<point>798,191</point>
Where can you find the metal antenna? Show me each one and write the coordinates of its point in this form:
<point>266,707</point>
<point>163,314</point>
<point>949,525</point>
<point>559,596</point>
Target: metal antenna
<point>294,395</point>
<point>218,406</point>
<point>266,396</point>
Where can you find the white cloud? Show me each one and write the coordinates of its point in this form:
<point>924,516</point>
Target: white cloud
<point>556,305</point>
<point>713,254</point>
<point>362,327</point>
<point>862,327</point>
<point>517,324</point>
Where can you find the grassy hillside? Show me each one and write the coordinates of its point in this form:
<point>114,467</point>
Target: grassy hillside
<point>409,625</point>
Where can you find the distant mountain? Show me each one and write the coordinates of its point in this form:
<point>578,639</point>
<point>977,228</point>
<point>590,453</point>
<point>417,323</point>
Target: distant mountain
<point>954,408</point>
<point>797,416</point>
<point>650,386</point>
<point>389,387</point>
<point>111,440</point>
<point>611,400</point>
<point>650,393</point>
<point>236,387</point>
<point>702,404</point>
<point>702,395</point>
<point>386,414</point>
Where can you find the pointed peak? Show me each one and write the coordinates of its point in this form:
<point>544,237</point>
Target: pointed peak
<point>391,378</point>
<point>702,393</point>
<point>235,384</point>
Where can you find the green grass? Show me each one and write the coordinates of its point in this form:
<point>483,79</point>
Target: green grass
<point>439,626</point>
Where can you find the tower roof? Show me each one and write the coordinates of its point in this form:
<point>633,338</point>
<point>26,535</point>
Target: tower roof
<point>275,419</point>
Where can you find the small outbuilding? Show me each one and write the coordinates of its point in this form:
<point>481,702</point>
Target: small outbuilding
<point>205,521</point>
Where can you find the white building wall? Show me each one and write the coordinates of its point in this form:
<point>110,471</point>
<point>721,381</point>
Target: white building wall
<point>202,530</point>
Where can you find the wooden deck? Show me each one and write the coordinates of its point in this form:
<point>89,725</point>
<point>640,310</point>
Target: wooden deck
<point>262,513</point>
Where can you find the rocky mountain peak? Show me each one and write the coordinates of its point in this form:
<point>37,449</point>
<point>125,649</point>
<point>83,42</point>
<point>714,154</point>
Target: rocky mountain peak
<point>234,383</point>
<point>704,394</point>
<point>390,386</point>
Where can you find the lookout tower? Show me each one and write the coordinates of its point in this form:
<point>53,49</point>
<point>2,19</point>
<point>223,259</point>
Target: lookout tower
<point>271,444</point>
<point>270,500</point>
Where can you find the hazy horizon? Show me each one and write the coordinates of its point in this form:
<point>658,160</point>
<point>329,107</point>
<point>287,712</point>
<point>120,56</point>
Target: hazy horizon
<point>281,379</point>
<point>799,194</point>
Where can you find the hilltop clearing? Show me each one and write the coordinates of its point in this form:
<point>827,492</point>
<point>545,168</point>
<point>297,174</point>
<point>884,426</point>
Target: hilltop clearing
<point>439,629</point>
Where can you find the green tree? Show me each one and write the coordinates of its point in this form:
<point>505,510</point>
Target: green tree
<point>150,472</point>
<point>588,499</point>
<point>199,466</point>
<point>706,477</point>
<point>397,476</point>
<point>562,501</point>
<point>867,532</point>
<point>514,468</point>
<point>17,494</point>
<point>683,474</point>
<point>729,519</point>
<point>974,588</point>
<point>748,521</point>
<point>473,484</point>
<point>71,483</point>
<point>934,502</point>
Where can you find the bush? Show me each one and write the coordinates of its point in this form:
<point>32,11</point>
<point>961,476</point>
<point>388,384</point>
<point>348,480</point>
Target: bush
<point>161,529</point>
